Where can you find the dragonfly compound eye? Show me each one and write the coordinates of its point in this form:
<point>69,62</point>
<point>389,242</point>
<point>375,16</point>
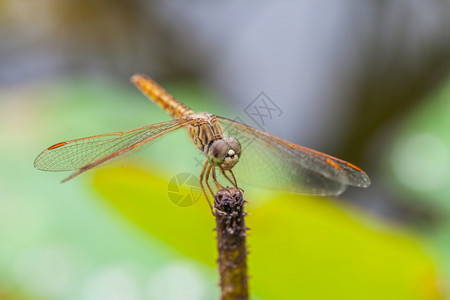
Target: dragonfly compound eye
<point>233,154</point>
<point>234,145</point>
<point>218,151</point>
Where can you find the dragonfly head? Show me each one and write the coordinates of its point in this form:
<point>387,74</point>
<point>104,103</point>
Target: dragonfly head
<point>224,152</point>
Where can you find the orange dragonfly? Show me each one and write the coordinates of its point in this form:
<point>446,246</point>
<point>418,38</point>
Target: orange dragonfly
<point>267,160</point>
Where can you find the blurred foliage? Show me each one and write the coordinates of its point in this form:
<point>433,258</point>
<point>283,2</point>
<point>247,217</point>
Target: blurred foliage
<point>419,158</point>
<point>418,164</point>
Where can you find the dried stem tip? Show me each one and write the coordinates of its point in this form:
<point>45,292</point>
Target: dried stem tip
<point>229,205</point>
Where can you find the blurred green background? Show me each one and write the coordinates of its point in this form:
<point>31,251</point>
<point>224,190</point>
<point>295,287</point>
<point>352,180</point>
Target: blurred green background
<point>366,82</point>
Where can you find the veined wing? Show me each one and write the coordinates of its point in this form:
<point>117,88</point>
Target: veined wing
<point>270,161</point>
<point>86,153</point>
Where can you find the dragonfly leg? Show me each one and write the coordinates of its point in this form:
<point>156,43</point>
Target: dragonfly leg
<point>202,174</point>
<point>235,181</point>
<point>207,180</point>
<point>232,181</point>
<point>218,185</point>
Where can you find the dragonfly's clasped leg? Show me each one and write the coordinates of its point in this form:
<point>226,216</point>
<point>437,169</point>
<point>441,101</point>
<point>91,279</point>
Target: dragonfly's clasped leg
<point>235,182</point>
<point>207,169</point>
<point>232,180</point>
<point>218,185</point>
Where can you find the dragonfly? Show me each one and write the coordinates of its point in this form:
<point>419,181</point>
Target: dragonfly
<point>266,160</point>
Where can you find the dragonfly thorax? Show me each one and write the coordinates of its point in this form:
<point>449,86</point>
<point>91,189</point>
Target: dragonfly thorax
<point>224,153</point>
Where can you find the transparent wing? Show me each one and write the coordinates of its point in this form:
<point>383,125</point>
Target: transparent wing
<point>86,153</point>
<point>269,161</point>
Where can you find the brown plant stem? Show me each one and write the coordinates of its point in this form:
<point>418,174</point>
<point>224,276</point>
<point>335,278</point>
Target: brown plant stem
<point>231,243</point>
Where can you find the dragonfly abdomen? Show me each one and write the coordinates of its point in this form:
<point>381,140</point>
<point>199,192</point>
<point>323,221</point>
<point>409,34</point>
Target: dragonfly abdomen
<point>157,94</point>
